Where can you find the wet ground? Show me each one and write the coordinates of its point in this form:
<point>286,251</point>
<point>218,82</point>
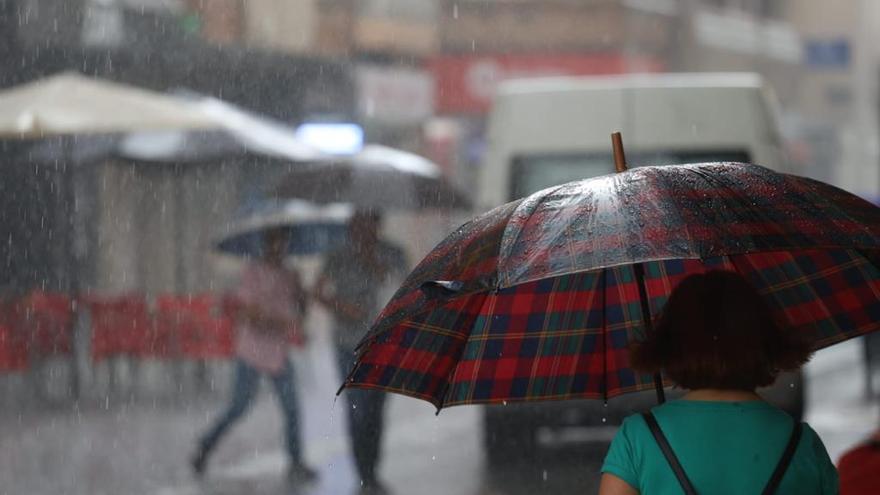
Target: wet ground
<point>142,447</point>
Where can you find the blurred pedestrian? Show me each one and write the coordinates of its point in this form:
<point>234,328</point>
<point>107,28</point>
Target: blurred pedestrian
<point>859,468</point>
<point>871,353</point>
<point>349,286</point>
<point>717,339</point>
<point>270,303</point>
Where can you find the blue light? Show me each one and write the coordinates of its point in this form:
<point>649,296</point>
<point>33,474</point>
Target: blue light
<point>334,138</point>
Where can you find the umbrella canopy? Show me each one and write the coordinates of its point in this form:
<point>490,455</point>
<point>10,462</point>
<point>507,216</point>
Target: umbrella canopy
<point>70,103</point>
<point>539,298</point>
<point>312,229</point>
<point>238,134</point>
<point>242,133</point>
<point>376,178</point>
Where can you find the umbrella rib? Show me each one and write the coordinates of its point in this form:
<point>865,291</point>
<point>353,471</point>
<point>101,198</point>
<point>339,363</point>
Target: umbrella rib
<point>647,322</point>
<point>506,241</point>
<point>681,223</point>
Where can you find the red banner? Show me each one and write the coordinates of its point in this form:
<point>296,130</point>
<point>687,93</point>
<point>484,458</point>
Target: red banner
<point>467,83</point>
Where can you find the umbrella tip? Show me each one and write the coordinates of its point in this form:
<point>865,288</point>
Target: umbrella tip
<point>617,148</point>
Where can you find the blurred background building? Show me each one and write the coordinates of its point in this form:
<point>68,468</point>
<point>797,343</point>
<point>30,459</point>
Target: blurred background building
<point>420,74</point>
<point>403,67</point>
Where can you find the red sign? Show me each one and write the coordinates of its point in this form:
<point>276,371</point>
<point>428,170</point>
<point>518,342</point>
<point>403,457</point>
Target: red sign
<point>466,83</point>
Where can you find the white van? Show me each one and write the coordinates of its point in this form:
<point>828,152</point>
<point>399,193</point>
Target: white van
<point>550,131</point>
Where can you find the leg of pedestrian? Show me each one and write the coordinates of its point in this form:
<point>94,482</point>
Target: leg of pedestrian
<point>247,380</point>
<point>285,388</point>
<point>365,424</point>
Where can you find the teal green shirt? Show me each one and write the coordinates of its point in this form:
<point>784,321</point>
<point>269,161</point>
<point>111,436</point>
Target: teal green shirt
<point>724,447</point>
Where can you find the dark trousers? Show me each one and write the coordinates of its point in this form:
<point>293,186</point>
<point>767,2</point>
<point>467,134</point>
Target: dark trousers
<point>365,422</point>
<point>247,381</point>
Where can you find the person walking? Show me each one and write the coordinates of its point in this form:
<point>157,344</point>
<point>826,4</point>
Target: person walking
<point>716,338</point>
<point>349,285</point>
<point>270,302</point>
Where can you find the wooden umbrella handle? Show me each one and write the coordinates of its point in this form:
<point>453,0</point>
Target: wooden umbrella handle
<point>619,156</point>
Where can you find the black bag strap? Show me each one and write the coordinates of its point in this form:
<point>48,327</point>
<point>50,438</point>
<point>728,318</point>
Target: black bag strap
<point>683,480</point>
<point>784,461</point>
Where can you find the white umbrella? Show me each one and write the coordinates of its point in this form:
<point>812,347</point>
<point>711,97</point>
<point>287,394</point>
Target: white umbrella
<point>378,177</point>
<point>242,133</point>
<point>69,104</point>
<point>313,229</point>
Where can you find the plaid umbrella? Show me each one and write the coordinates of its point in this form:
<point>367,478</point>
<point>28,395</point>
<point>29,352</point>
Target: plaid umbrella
<point>538,299</point>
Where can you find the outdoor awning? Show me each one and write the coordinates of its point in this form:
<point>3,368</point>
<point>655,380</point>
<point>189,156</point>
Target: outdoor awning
<point>70,103</point>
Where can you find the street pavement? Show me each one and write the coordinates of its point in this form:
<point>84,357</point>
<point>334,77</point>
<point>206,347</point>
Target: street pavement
<point>142,447</point>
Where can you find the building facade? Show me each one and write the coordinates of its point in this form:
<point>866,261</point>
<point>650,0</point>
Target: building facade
<point>420,74</point>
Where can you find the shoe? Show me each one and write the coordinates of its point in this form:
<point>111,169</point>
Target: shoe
<point>373,487</point>
<point>198,463</point>
<point>300,473</point>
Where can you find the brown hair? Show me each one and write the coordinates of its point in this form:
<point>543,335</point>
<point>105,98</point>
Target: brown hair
<point>716,331</point>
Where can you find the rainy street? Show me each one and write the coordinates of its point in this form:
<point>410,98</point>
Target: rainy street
<point>143,448</point>
<point>439,247</point>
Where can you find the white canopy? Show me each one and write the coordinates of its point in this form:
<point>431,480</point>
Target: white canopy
<point>243,132</point>
<point>70,103</point>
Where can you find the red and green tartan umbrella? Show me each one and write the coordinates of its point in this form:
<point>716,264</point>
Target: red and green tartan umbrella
<point>538,299</point>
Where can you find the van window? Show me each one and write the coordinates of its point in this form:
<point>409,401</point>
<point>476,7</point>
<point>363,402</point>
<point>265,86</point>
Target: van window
<point>531,173</point>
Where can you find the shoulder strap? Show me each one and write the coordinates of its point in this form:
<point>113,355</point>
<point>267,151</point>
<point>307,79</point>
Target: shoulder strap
<point>660,438</point>
<point>787,455</point>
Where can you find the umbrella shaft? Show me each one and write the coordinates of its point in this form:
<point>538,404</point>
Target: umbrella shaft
<point>639,270</point>
<point>658,387</point>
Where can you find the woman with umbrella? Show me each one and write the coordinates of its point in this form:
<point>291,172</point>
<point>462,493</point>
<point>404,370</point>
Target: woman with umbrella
<point>717,338</point>
<point>541,298</point>
<point>270,301</point>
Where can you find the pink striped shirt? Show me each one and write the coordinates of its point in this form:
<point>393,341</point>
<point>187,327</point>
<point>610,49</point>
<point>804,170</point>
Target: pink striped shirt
<point>272,290</point>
